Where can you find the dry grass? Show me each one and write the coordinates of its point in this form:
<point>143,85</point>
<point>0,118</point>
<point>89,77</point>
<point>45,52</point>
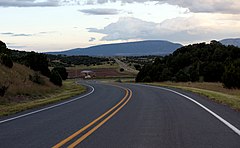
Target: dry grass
<point>214,91</point>
<point>24,94</point>
<point>18,77</point>
<point>69,89</point>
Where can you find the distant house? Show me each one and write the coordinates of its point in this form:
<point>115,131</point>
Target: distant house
<point>87,74</point>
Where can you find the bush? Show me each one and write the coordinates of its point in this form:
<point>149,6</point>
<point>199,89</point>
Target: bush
<point>182,76</point>
<point>36,78</point>
<point>3,90</point>
<point>6,60</point>
<point>55,78</point>
<point>231,76</point>
<point>2,45</point>
<point>62,71</point>
<point>121,69</point>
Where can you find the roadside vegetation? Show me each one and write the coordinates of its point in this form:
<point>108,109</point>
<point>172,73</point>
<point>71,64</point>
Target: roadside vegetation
<point>214,91</point>
<point>27,82</point>
<point>201,62</point>
<point>21,103</point>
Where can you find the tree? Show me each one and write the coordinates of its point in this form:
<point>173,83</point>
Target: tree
<point>38,62</point>
<point>121,69</point>
<point>6,60</point>
<point>62,71</point>
<point>231,76</point>
<point>2,45</point>
<point>182,76</point>
<point>213,72</point>
<point>137,66</point>
<point>55,78</point>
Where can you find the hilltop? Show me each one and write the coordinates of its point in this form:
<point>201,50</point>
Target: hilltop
<point>233,41</point>
<point>157,47</point>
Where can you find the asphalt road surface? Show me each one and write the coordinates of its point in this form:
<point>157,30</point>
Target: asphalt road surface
<point>125,116</point>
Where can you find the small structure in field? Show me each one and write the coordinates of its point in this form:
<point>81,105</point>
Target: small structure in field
<point>87,74</point>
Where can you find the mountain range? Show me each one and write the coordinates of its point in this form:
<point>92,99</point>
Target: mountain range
<point>141,48</point>
<point>151,47</point>
<point>235,42</point>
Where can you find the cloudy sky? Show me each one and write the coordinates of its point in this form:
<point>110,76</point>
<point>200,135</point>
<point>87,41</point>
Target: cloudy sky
<point>53,25</point>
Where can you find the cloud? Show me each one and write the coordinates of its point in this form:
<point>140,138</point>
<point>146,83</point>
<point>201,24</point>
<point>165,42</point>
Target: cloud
<point>29,3</point>
<point>22,34</point>
<point>100,11</point>
<point>92,39</point>
<point>196,6</point>
<point>178,29</point>
<point>7,33</point>
<point>26,34</point>
<point>15,34</point>
<point>207,6</point>
<point>211,6</point>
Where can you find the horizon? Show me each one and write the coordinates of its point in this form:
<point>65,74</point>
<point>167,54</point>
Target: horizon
<point>57,25</point>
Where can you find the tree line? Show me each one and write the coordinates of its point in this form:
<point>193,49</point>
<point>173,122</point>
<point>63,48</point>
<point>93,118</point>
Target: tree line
<point>211,62</point>
<point>68,61</point>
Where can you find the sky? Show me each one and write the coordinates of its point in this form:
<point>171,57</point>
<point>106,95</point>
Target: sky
<point>57,25</point>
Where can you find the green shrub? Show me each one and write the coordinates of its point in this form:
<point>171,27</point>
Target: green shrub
<point>231,76</point>
<point>6,60</point>
<point>36,78</point>
<point>62,71</point>
<point>55,78</point>
<point>3,90</point>
<point>121,69</point>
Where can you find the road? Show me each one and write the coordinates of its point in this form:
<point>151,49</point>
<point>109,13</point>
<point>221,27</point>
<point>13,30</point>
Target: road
<point>126,67</point>
<point>125,115</point>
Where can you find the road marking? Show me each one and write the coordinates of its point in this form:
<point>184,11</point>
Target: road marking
<point>100,124</point>
<point>232,127</point>
<point>50,107</point>
<point>126,98</point>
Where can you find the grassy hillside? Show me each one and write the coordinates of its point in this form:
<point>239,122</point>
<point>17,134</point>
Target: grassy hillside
<point>19,84</point>
<point>24,94</point>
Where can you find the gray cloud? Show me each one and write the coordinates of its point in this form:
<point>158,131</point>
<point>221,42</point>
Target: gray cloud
<point>7,33</point>
<point>22,34</point>
<point>100,11</point>
<point>15,34</point>
<point>25,34</point>
<point>92,39</point>
<point>177,29</point>
<point>28,3</point>
<point>207,6</point>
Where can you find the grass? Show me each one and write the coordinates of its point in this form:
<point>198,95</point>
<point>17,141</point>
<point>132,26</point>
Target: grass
<point>214,91</point>
<point>69,89</point>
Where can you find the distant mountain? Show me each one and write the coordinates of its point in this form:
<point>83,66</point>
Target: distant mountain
<point>235,42</point>
<point>156,47</point>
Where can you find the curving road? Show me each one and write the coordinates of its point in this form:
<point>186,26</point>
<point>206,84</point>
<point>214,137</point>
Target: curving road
<point>125,115</point>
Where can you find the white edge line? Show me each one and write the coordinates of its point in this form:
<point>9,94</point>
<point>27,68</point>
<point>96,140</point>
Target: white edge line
<point>232,127</point>
<point>50,107</point>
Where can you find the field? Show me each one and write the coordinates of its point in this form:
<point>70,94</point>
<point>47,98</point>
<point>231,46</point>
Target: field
<point>214,91</point>
<point>101,71</point>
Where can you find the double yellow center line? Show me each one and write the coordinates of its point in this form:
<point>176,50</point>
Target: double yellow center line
<point>104,117</point>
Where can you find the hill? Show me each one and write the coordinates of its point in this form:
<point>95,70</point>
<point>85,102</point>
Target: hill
<point>234,42</point>
<point>212,62</point>
<point>20,85</point>
<point>140,48</point>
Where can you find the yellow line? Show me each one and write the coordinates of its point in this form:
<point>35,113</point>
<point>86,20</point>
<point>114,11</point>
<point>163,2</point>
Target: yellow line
<point>90,124</point>
<point>100,124</point>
